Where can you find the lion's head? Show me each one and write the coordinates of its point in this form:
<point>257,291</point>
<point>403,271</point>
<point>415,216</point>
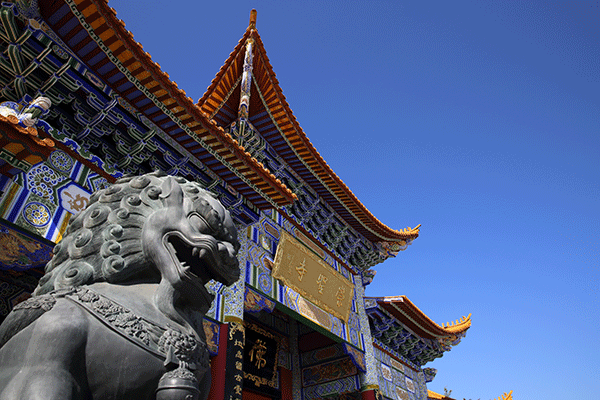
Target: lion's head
<point>150,228</point>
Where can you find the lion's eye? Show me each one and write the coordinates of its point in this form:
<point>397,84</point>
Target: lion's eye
<point>198,223</point>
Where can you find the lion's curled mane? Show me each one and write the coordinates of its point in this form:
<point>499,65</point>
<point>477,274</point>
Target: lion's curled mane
<point>103,243</point>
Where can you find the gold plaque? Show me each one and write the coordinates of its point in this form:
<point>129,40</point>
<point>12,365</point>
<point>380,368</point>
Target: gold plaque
<point>307,273</point>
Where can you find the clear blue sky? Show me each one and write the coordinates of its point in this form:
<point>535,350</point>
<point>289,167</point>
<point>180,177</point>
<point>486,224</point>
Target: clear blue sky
<point>478,120</point>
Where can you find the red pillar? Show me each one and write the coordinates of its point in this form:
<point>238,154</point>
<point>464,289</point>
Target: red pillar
<point>217,367</point>
<point>369,395</point>
<point>286,384</point>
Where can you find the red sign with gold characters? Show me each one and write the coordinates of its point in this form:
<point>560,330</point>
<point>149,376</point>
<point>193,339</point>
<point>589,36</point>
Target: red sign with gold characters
<point>305,272</point>
<point>261,353</point>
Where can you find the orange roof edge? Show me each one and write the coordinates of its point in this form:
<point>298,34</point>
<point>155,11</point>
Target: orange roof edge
<point>458,326</point>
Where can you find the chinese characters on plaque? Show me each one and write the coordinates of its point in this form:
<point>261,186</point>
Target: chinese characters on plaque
<point>257,354</point>
<point>301,268</point>
<point>237,336</point>
<point>306,273</point>
<point>260,358</point>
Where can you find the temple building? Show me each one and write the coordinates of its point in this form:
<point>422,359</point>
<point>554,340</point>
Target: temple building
<point>83,104</point>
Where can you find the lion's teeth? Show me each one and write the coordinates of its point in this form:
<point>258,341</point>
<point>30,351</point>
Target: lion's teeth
<point>202,253</point>
<point>195,251</point>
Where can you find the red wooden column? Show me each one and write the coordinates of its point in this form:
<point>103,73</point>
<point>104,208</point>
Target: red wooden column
<point>286,384</point>
<point>217,367</point>
<point>233,381</point>
<point>369,395</point>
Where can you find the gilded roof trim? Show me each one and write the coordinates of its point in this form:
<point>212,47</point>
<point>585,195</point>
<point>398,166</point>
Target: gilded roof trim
<point>410,311</point>
<point>436,396</point>
<point>506,396</point>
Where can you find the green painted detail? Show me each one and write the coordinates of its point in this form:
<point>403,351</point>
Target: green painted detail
<point>11,31</point>
<point>81,180</point>
<point>21,75</point>
<point>54,78</point>
<point>15,65</point>
<point>14,161</point>
<point>37,59</point>
<point>61,137</point>
<point>6,198</point>
<point>249,138</point>
<point>14,55</point>
<point>138,150</point>
<point>413,321</point>
<point>158,103</point>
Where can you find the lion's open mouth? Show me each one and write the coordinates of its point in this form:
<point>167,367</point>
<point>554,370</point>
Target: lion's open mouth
<point>198,261</point>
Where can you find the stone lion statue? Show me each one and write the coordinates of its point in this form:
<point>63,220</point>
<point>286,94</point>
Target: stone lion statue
<point>114,315</point>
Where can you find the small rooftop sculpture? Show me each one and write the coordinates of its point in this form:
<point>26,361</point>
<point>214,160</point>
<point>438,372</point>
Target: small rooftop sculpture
<point>114,317</point>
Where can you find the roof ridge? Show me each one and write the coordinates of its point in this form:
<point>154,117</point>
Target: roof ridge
<point>215,81</point>
<point>461,325</point>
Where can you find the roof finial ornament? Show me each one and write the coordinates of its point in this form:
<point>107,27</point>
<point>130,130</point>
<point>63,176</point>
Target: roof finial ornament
<point>252,24</point>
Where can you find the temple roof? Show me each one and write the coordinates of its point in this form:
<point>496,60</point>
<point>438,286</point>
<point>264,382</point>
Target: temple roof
<point>272,116</point>
<point>405,311</point>
<point>436,396</point>
<point>93,31</point>
<point>400,328</point>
